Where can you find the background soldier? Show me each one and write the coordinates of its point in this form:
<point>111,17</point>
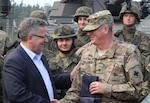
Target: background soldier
<point>80,17</point>
<point>5,43</point>
<point>66,59</point>
<point>130,16</point>
<point>50,48</point>
<point>116,63</point>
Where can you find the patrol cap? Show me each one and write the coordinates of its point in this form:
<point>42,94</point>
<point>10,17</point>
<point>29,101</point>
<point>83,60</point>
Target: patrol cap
<point>63,31</point>
<point>97,19</point>
<point>39,14</point>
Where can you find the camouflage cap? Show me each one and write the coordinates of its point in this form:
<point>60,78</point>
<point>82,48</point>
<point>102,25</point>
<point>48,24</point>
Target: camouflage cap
<point>97,19</point>
<point>39,14</point>
<point>64,31</point>
<point>82,11</point>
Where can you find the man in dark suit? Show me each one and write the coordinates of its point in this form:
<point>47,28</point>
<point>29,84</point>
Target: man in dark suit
<point>26,75</point>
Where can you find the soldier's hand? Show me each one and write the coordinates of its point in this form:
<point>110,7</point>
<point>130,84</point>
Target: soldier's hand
<point>97,87</point>
<point>2,57</point>
<point>54,101</point>
<point>74,71</point>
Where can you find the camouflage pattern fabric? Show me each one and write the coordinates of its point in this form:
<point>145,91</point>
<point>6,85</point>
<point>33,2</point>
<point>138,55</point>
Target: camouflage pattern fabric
<point>5,41</point>
<point>50,49</point>
<point>103,17</point>
<point>82,11</point>
<point>133,9</point>
<point>60,65</point>
<point>141,40</point>
<point>119,68</point>
<point>138,38</point>
<point>63,31</point>
<point>146,84</point>
<point>39,14</point>
<point>82,38</point>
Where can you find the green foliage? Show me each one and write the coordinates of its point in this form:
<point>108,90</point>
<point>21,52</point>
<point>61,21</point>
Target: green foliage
<point>21,11</point>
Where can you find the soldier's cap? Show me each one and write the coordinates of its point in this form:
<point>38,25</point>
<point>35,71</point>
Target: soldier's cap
<point>97,19</point>
<point>39,14</point>
<point>63,31</point>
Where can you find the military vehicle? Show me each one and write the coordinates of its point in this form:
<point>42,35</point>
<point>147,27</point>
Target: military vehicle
<point>5,6</point>
<point>62,11</point>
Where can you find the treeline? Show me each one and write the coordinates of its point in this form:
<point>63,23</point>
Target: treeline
<point>17,13</point>
<point>21,11</point>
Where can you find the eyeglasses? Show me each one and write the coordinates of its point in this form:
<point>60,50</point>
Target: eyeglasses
<point>45,36</point>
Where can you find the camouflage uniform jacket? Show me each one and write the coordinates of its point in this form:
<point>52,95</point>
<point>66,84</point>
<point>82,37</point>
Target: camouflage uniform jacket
<point>138,38</point>
<point>59,65</point>
<point>82,38</point>
<point>119,68</point>
<point>5,42</point>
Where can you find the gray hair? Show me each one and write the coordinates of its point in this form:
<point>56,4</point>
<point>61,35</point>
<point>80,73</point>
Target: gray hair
<point>30,26</point>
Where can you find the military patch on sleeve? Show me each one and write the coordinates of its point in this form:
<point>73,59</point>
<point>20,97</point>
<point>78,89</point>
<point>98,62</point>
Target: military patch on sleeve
<point>136,73</point>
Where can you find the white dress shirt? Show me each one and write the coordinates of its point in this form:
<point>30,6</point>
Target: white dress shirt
<point>36,58</point>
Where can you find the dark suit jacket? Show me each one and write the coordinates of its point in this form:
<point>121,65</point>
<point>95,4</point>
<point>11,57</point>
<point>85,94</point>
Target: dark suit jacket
<point>22,82</point>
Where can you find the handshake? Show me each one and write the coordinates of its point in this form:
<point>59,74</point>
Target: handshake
<point>54,101</point>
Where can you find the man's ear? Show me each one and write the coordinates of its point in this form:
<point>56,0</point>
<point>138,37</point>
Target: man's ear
<point>29,37</point>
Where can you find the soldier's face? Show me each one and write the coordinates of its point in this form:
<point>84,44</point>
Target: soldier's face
<point>97,35</point>
<point>82,22</point>
<point>129,19</point>
<point>64,44</point>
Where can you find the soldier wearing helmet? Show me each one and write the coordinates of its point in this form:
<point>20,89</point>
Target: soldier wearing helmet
<point>81,15</point>
<point>39,14</point>
<point>130,16</point>
<point>66,59</point>
<point>50,48</point>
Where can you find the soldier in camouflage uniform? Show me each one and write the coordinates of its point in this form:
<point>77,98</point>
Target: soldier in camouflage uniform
<point>130,16</point>
<point>66,59</point>
<point>50,48</point>
<point>5,42</point>
<point>81,18</point>
<point>116,63</point>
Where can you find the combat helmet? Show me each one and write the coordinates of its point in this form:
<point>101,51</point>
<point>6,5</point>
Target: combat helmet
<point>63,31</point>
<point>132,9</point>
<point>82,11</point>
<point>39,14</point>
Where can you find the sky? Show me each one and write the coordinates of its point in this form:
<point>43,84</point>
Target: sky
<point>40,2</point>
<point>34,2</point>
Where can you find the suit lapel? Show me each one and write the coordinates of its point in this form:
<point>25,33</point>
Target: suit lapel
<point>32,67</point>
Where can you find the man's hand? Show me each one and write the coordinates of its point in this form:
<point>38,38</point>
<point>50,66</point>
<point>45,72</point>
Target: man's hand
<point>54,101</point>
<point>97,87</point>
<point>74,71</point>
